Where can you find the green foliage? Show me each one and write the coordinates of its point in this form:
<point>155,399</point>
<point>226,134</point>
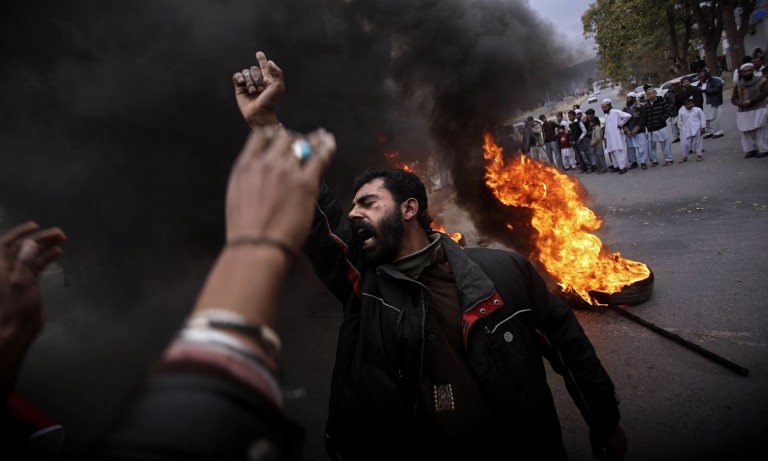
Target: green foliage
<point>633,37</point>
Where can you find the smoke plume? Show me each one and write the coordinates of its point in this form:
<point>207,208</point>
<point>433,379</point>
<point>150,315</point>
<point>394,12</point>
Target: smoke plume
<point>119,123</point>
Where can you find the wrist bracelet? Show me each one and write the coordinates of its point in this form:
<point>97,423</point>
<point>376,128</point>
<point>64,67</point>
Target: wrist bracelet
<point>226,319</point>
<point>245,240</point>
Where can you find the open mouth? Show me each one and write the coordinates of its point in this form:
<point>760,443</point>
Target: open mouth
<point>365,237</point>
<point>366,234</point>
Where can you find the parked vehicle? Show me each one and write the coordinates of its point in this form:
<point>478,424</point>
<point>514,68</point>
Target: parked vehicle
<point>592,98</point>
<point>668,84</point>
<point>640,90</point>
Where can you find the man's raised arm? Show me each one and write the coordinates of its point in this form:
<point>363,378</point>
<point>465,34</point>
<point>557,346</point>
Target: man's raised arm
<point>258,90</point>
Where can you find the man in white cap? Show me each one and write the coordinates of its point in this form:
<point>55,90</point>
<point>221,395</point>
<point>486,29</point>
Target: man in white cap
<point>614,140</point>
<point>749,95</point>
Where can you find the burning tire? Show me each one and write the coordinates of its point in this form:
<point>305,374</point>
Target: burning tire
<point>637,293</point>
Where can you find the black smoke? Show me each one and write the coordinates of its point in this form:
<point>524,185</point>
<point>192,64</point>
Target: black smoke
<point>465,68</point>
<point>119,125</point>
<point>119,122</point>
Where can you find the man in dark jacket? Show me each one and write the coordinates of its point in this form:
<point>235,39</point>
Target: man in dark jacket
<point>440,348</point>
<point>712,87</point>
<point>578,134</point>
<point>672,100</point>
<point>634,129</point>
<point>549,128</point>
<point>687,91</point>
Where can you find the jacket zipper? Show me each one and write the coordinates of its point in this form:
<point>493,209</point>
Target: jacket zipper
<point>421,360</point>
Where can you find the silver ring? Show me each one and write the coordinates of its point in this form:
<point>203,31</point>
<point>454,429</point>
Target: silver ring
<point>301,149</point>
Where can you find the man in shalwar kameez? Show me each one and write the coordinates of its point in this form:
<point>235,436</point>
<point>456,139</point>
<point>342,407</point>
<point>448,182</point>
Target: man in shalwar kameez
<point>749,95</point>
<point>692,123</point>
<point>614,139</point>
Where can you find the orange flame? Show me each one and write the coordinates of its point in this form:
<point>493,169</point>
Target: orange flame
<point>455,236</point>
<point>564,245</point>
<point>393,158</point>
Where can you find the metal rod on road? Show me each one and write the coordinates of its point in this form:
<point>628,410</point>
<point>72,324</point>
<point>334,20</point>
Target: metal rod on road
<point>695,347</point>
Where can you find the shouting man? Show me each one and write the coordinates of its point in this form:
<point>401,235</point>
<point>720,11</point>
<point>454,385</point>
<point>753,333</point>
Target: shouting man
<point>440,348</point>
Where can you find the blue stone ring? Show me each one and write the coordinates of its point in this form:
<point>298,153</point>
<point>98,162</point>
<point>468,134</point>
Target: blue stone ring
<point>301,149</point>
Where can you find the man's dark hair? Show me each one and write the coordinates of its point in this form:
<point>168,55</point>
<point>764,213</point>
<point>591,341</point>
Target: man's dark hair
<point>402,185</point>
<point>590,111</point>
<point>572,112</point>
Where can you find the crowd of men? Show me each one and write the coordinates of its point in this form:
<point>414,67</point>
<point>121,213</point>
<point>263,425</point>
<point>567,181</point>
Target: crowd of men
<point>643,131</point>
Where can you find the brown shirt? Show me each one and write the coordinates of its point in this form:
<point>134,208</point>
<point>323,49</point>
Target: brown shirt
<point>454,410</point>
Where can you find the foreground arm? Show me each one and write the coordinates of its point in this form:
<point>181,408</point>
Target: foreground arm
<point>332,246</point>
<point>223,364</point>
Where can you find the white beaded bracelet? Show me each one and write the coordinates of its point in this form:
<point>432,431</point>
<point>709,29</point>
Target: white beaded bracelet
<point>230,320</point>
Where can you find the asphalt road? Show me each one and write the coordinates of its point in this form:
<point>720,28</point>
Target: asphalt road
<point>700,226</point>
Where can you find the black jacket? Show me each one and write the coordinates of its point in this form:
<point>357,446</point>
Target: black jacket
<point>656,114</point>
<point>509,321</point>
<point>693,91</point>
<point>636,124</point>
<point>713,92</point>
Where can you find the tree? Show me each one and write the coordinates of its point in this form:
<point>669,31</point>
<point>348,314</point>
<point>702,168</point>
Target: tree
<point>630,33</point>
<point>679,22</point>
<point>709,21</point>
<point>734,32</point>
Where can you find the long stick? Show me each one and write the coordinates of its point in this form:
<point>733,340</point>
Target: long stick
<point>695,347</point>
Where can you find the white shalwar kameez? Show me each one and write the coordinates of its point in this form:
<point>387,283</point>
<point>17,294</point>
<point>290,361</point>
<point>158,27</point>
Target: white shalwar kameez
<point>614,139</point>
<point>750,123</point>
<point>691,122</point>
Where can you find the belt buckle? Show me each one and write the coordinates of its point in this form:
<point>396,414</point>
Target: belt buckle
<point>443,397</point>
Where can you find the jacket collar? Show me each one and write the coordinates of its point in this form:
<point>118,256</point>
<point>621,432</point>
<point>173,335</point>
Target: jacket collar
<point>472,283</point>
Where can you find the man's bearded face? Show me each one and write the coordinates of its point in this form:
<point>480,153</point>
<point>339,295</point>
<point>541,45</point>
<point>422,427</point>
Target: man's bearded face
<point>381,240</point>
<point>747,73</point>
<point>378,222</point>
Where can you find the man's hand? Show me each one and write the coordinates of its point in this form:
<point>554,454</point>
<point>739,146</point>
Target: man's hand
<point>258,91</point>
<point>611,446</point>
<point>25,251</point>
<point>271,193</point>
